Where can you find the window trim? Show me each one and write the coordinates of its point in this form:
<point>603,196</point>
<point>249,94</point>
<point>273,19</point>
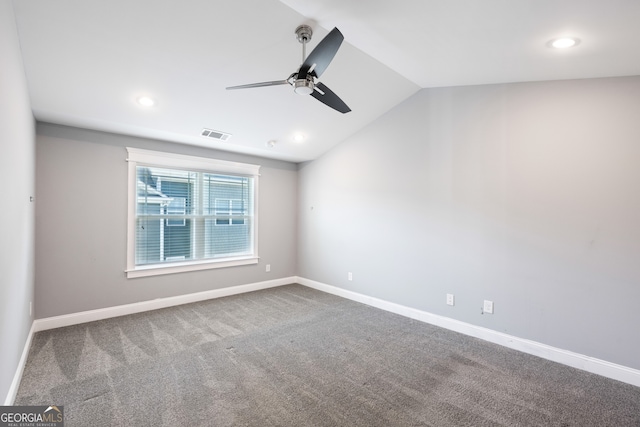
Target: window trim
<point>139,157</point>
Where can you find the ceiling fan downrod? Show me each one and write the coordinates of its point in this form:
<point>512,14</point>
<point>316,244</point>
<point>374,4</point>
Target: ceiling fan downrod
<point>303,34</point>
<point>305,85</point>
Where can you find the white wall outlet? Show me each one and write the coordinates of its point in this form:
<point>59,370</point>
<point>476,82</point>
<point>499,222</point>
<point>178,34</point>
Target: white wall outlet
<point>488,307</point>
<point>450,299</point>
<point>350,276</point>
<point>268,268</point>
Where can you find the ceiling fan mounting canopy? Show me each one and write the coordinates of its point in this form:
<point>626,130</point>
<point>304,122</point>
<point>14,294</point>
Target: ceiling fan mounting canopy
<point>304,79</point>
<point>304,33</point>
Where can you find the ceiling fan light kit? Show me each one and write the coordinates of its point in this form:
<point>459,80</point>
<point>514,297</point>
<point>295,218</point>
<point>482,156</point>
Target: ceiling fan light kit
<point>304,79</point>
<point>303,86</point>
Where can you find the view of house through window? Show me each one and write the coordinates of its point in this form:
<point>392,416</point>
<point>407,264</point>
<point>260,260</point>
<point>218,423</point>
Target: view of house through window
<point>179,215</point>
<point>184,215</point>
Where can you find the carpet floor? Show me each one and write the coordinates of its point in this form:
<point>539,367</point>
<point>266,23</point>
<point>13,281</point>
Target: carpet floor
<point>294,356</point>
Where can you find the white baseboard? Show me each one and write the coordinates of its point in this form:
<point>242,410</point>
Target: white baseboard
<point>138,307</point>
<point>569,358</point>
<point>13,389</point>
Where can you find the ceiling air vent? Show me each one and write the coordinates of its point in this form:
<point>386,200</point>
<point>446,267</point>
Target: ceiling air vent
<point>215,134</point>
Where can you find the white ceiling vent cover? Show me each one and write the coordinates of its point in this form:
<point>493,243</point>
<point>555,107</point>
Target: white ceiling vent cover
<point>216,134</point>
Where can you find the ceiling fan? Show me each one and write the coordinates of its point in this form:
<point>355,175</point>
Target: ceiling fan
<point>304,79</point>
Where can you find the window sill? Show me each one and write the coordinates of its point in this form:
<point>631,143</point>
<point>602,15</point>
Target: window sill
<point>181,267</point>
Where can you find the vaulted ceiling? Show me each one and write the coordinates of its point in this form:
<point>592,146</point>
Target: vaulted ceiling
<point>88,61</point>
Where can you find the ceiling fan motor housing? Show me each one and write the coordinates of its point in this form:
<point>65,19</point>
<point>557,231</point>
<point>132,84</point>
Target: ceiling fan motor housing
<point>303,86</point>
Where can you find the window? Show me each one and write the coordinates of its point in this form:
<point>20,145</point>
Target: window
<point>189,213</point>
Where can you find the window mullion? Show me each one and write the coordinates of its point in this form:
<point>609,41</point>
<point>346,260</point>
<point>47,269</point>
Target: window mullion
<point>198,225</point>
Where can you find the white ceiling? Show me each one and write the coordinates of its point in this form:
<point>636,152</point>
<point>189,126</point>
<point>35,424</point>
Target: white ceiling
<point>88,60</point>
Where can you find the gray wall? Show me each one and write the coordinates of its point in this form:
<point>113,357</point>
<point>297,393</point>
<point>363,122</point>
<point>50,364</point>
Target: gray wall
<point>17,164</point>
<point>524,194</point>
<point>81,222</point>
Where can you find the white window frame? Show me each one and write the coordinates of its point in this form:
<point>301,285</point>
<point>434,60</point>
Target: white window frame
<point>139,157</point>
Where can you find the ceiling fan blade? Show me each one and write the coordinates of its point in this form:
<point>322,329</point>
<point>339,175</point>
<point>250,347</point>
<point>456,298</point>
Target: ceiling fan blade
<point>320,58</point>
<point>263,84</point>
<point>325,95</point>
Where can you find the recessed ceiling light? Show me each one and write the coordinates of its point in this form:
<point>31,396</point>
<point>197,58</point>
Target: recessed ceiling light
<point>563,42</point>
<point>146,101</point>
<point>298,137</point>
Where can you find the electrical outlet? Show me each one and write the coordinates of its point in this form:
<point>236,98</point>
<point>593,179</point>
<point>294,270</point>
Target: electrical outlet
<point>450,299</point>
<point>350,276</point>
<point>268,268</point>
<point>488,307</point>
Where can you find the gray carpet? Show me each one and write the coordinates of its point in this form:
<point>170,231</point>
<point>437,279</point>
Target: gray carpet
<point>293,356</point>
